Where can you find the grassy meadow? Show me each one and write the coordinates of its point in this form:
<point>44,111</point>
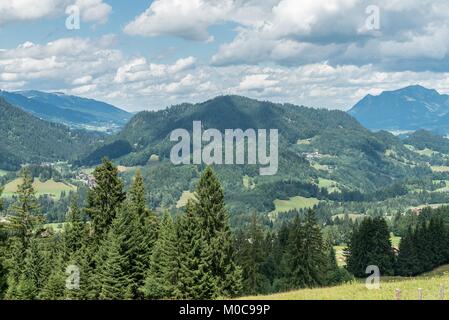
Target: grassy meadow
<point>49,187</point>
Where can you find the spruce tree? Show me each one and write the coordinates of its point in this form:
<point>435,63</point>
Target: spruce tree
<point>304,261</point>
<point>370,244</point>
<point>195,278</point>
<point>26,216</point>
<point>160,281</point>
<point>407,263</point>
<point>141,234</point>
<point>114,279</point>
<point>32,277</point>
<point>54,288</point>
<point>105,198</point>
<point>74,230</point>
<point>209,205</point>
<point>252,259</point>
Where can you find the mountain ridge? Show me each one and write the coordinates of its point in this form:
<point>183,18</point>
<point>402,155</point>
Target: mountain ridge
<point>411,108</point>
<point>75,112</point>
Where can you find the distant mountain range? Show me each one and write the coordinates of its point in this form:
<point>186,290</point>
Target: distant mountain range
<point>408,109</point>
<point>73,111</point>
<point>323,154</point>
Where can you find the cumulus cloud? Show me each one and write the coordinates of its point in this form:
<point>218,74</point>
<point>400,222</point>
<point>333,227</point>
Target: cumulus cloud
<point>94,11</point>
<point>69,61</point>
<point>188,19</point>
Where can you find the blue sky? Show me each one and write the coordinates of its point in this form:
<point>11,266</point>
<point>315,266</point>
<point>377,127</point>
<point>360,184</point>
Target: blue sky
<point>152,54</point>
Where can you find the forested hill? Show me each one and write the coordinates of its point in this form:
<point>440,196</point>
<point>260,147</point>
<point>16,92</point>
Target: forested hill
<point>321,152</point>
<point>26,139</point>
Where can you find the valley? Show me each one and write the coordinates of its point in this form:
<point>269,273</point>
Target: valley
<point>328,163</point>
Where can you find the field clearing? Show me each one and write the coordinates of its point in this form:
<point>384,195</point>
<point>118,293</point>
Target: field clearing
<point>295,203</point>
<point>330,185</point>
<point>440,168</point>
<point>443,189</point>
<point>321,167</point>
<point>351,216</point>
<point>49,187</point>
<point>123,169</point>
<point>57,227</point>
<point>248,183</point>
<point>185,197</point>
<point>357,290</point>
<point>304,142</point>
<point>3,173</point>
<point>425,152</point>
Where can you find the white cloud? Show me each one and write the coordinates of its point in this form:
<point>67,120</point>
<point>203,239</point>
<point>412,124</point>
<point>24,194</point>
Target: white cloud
<point>257,82</point>
<point>94,11</point>
<point>188,19</point>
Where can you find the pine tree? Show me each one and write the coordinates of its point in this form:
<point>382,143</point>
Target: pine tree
<point>113,272</point>
<point>162,275</point>
<point>54,288</point>
<point>26,217</point>
<point>407,263</point>
<point>252,259</point>
<point>195,278</point>
<point>32,277</point>
<point>141,234</point>
<point>74,230</point>
<point>14,263</point>
<point>304,260</point>
<point>210,207</point>
<point>105,198</point>
<point>370,244</point>
<point>423,245</point>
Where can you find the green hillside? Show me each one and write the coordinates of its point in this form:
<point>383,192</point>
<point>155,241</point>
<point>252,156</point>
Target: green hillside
<point>26,139</point>
<point>342,162</point>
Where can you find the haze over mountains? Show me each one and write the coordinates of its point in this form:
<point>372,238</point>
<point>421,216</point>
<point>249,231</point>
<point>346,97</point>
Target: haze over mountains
<point>73,111</point>
<point>408,109</point>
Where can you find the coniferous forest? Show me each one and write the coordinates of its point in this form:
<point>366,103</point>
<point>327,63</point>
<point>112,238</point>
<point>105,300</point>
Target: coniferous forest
<point>114,247</point>
<point>117,248</point>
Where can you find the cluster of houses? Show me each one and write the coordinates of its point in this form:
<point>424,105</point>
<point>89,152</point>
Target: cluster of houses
<point>312,155</point>
<point>87,179</point>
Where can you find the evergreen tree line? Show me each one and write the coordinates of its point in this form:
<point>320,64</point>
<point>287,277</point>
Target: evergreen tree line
<point>295,257</point>
<point>117,248</point>
<point>423,248</point>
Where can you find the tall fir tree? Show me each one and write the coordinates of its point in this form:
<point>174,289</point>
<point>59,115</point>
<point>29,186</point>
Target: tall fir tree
<point>161,279</point>
<point>26,217</point>
<point>407,263</point>
<point>74,230</point>
<point>114,279</point>
<point>209,205</point>
<point>195,278</point>
<point>252,259</point>
<point>32,278</point>
<point>143,233</point>
<point>105,198</point>
<point>304,259</point>
<point>370,244</point>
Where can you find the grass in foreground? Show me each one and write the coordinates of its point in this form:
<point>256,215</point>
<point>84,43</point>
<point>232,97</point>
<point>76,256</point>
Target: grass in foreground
<point>357,290</point>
